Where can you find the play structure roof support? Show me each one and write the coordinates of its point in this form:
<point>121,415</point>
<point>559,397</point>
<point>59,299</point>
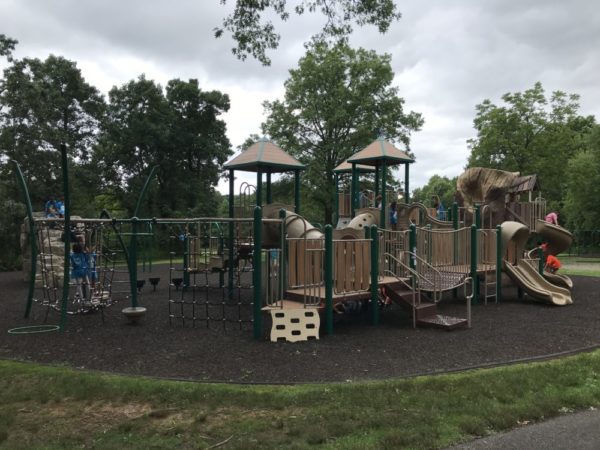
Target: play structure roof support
<point>264,156</point>
<point>382,153</point>
<point>261,157</point>
<point>346,167</point>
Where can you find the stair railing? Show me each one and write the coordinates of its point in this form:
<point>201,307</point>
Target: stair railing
<point>428,275</point>
<point>413,287</point>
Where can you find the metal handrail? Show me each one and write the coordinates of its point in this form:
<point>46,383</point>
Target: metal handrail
<point>437,293</point>
<point>415,290</point>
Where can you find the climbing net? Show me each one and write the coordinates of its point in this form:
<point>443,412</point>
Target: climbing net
<point>211,272</point>
<point>91,292</point>
<point>210,276</point>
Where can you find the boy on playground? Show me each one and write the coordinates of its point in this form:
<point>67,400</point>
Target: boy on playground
<point>394,215</point>
<point>80,273</point>
<point>50,209</point>
<point>552,264</point>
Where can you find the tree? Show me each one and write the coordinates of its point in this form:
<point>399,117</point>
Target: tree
<point>44,104</point>
<point>442,187</point>
<point>254,35</point>
<point>336,102</point>
<point>179,132</point>
<point>583,185</point>
<point>530,134</point>
<point>7,46</point>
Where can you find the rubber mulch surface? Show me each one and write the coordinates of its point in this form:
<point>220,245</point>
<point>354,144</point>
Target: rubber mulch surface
<point>512,330</point>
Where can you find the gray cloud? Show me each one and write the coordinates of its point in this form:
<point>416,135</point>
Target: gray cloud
<point>447,56</point>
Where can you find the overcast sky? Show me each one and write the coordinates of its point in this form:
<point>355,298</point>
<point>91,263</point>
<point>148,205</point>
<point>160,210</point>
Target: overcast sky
<point>448,56</point>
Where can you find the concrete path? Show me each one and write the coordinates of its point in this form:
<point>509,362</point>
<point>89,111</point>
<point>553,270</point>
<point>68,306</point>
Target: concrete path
<point>577,431</point>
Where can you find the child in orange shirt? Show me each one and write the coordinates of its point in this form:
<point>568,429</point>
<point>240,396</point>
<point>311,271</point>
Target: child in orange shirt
<point>552,264</point>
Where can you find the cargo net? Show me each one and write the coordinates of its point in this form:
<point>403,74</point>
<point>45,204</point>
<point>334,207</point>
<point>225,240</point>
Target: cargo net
<point>91,286</point>
<point>210,274</point>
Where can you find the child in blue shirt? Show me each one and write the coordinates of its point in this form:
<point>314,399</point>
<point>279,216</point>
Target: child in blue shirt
<point>80,272</point>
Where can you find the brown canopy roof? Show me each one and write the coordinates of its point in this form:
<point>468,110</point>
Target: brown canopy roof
<point>378,151</point>
<point>266,156</point>
<point>346,167</point>
<point>525,183</point>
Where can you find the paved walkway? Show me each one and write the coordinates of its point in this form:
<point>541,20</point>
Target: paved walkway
<point>577,431</point>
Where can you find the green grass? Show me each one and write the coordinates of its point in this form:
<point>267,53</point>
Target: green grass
<point>578,265</point>
<point>582,272</point>
<point>56,408</point>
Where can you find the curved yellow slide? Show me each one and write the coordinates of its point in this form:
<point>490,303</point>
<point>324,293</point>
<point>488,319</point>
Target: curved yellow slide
<point>515,235</point>
<point>558,240</point>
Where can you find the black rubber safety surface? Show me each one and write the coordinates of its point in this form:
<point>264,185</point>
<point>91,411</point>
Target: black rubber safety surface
<point>512,330</point>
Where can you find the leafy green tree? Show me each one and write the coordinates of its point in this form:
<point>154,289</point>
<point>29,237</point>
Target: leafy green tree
<point>442,187</point>
<point>530,134</point>
<point>179,131</point>
<point>336,102</point>
<point>255,35</point>
<point>44,104</point>
<point>583,185</point>
<point>10,231</point>
<point>7,46</point>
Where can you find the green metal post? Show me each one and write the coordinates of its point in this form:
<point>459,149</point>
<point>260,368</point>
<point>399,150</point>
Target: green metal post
<point>406,183</point>
<point>382,217</point>
<point>133,243</point>
<point>474,264</point>
<point>133,262</point>
<point>186,260</point>
<point>540,253</point>
<point>499,259</point>
<point>230,246</point>
<point>257,273</point>
<point>259,178</point>
<point>283,262</point>
<point>374,275</point>
<point>376,181</point>
<point>297,192</point>
<point>455,244</point>
<point>478,216</point>
<point>336,200</point>
<point>354,190</point>
<point>67,234</point>
<point>329,279</point>
<point>269,193</point>
<point>32,236</point>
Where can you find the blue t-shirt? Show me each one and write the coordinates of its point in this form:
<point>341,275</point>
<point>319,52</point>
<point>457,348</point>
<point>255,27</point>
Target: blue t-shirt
<point>393,216</point>
<point>441,212</point>
<point>50,208</point>
<point>60,207</point>
<point>79,265</point>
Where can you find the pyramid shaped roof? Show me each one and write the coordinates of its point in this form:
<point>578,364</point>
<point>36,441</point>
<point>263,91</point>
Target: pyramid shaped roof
<point>266,156</point>
<point>378,151</point>
<point>346,167</point>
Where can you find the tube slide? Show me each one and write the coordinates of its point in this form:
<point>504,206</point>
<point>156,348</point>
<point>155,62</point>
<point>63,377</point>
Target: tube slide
<point>557,237</point>
<point>296,225</point>
<point>514,237</point>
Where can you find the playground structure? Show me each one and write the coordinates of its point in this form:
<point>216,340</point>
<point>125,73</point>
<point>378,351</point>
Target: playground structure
<point>235,270</point>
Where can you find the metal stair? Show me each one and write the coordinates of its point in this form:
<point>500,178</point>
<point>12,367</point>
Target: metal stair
<point>425,311</point>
